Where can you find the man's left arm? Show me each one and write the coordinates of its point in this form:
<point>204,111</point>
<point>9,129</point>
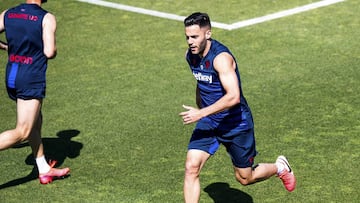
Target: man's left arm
<point>225,65</point>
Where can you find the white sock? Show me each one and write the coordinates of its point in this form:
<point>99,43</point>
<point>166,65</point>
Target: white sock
<point>42,165</point>
<point>280,167</point>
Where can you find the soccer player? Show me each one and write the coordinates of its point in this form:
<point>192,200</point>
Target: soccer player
<point>30,34</point>
<point>223,115</point>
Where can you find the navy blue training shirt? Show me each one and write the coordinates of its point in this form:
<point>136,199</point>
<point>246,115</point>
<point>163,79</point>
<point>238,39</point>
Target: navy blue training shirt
<point>239,116</point>
<point>27,62</point>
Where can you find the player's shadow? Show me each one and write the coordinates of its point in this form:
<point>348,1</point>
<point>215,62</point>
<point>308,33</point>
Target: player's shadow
<point>223,193</point>
<point>57,149</point>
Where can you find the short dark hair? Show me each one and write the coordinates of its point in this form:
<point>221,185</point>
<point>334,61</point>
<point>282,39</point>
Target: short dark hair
<point>201,19</point>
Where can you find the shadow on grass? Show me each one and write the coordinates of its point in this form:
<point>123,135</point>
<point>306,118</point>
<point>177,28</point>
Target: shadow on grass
<point>55,149</point>
<point>223,193</point>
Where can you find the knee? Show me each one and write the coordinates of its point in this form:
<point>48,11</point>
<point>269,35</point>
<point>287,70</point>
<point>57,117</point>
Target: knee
<point>192,169</point>
<point>23,132</point>
<point>243,180</point>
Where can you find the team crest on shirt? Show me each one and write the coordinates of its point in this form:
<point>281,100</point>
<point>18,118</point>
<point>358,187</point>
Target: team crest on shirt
<point>207,64</point>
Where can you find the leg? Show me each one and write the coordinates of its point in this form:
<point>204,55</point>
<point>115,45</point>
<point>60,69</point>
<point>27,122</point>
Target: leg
<point>37,146</point>
<point>28,126</point>
<point>27,115</point>
<point>242,150</point>
<point>202,145</point>
<point>281,168</point>
<point>247,176</point>
<point>46,172</point>
<point>195,160</point>
<point>35,138</point>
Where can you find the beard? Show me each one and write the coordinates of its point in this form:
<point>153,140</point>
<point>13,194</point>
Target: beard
<point>199,49</point>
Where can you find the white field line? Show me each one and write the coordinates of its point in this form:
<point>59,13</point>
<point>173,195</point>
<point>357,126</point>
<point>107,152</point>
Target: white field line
<point>284,13</point>
<point>233,26</point>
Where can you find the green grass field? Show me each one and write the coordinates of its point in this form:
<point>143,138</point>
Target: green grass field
<point>117,85</point>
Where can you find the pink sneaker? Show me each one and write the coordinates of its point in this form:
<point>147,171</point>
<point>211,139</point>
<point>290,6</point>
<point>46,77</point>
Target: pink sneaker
<point>287,176</point>
<point>54,173</point>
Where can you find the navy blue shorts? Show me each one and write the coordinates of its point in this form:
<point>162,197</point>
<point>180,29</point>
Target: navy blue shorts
<point>26,94</point>
<point>240,146</point>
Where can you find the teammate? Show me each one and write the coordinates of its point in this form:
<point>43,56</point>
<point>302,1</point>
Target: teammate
<point>223,115</point>
<point>30,33</point>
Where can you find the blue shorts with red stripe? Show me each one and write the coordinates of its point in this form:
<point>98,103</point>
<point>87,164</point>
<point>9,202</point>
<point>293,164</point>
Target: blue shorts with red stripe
<point>26,94</point>
<point>24,85</point>
<point>240,145</point>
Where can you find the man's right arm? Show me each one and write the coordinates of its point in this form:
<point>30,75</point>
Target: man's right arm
<point>3,45</point>
<point>49,38</point>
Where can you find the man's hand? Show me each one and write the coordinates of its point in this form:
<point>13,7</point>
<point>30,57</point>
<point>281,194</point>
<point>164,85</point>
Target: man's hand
<point>192,115</point>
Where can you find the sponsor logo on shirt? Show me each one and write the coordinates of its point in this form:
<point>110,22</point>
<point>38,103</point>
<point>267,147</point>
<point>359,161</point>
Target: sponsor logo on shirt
<point>202,77</point>
<point>20,59</point>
